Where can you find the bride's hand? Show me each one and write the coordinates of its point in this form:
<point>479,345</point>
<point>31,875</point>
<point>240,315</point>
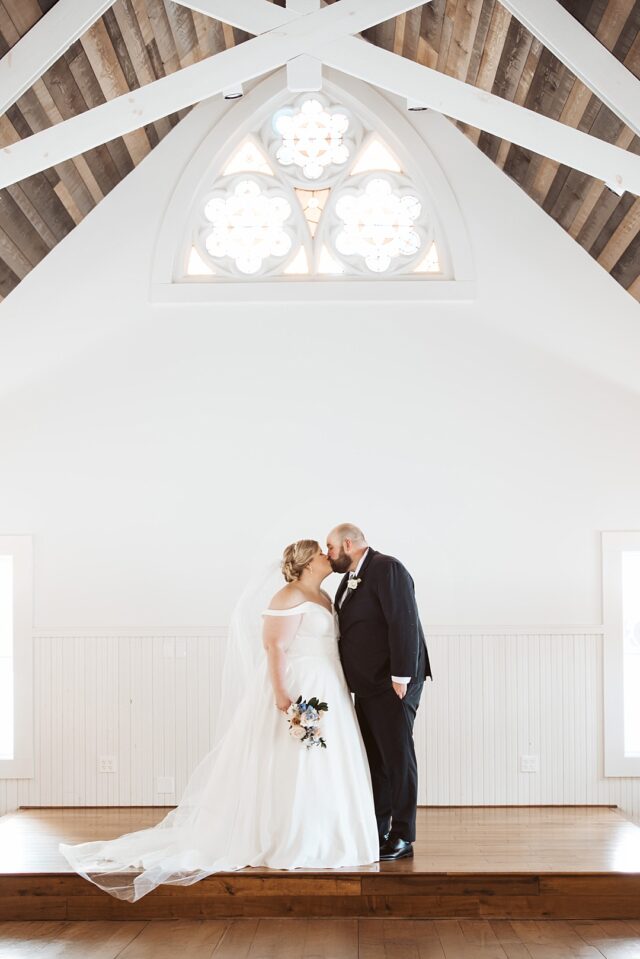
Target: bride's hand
<point>283,702</point>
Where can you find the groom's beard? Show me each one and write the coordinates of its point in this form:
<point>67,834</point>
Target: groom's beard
<point>341,564</point>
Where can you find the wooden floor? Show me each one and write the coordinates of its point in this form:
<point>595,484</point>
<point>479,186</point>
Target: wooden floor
<point>322,939</point>
<point>492,863</point>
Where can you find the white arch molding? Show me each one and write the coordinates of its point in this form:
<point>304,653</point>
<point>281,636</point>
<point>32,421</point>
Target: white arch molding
<point>227,125</point>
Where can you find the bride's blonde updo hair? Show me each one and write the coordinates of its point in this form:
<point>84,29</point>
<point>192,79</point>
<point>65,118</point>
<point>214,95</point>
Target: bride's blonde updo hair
<point>296,557</point>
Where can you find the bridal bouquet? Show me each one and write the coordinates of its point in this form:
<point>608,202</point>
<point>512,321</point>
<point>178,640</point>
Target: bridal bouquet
<point>305,717</point>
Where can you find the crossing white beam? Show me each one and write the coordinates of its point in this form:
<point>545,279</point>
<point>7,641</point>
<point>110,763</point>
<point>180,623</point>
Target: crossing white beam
<point>300,34</point>
<point>252,16</point>
<point>326,35</point>
<point>585,56</point>
<point>47,40</point>
<point>618,168</point>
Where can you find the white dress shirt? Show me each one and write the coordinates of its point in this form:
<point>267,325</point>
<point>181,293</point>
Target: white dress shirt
<point>353,575</point>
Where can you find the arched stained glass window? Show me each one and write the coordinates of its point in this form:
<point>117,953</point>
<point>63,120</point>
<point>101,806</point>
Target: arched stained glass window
<point>312,192</point>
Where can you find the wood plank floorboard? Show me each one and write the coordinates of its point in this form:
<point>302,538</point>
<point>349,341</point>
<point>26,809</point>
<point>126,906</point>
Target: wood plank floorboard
<point>449,839</point>
<point>321,939</point>
<point>471,865</point>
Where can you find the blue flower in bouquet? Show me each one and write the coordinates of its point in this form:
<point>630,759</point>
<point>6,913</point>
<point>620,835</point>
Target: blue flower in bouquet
<point>310,717</point>
<point>305,717</point>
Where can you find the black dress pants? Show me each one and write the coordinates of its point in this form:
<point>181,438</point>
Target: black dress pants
<point>386,723</point>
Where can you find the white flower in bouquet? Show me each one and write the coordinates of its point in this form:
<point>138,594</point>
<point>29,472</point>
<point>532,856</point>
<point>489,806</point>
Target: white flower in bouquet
<point>304,721</point>
<point>293,712</point>
<point>309,717</point>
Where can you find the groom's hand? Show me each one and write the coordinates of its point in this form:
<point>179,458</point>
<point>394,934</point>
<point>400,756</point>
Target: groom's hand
<point>400,689</point>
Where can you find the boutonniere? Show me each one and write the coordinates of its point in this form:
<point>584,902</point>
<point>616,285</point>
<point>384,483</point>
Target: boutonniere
<point>353,583</point>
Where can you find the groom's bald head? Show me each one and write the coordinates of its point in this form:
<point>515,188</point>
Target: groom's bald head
<point>348,531</point>
<point>345,545</point>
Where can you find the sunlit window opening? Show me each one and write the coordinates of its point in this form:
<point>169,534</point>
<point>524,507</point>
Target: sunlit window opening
<point>328,265</point>
<point>6,657</point>
<point>378,225</point>
<point>312,138</point>
<point>312,192</point>
<point>196,265</point>
<point>247,159</point>
<point>312,203</point>
<point>430,263</point>
<point>631,650</point>
<point>247,226</point>
<point>299,265</point>
<point>375,156</point>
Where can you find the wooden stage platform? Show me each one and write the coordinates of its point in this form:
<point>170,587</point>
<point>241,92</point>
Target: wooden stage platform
<point>509,862</point>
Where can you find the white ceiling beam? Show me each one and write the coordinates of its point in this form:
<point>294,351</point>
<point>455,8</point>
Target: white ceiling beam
<point>585,56</point>
<point>252,16</point>
<point>286,35</point>
<point>618,168</point>
<point>47,40</point>
<point>304,73</point>
<point>302,6</point>
<point>301,34</point>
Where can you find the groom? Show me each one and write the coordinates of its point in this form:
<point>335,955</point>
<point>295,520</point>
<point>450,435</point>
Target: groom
<point>385,662</point>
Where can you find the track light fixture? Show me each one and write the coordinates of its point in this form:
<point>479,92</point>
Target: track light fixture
<point>234,92</point>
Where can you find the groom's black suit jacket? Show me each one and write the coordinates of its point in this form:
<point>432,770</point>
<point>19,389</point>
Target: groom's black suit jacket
<point>380,630</point>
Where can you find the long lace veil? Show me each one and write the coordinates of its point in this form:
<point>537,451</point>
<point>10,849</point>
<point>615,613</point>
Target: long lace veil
<point>133,864</point>
<point>244,650</point>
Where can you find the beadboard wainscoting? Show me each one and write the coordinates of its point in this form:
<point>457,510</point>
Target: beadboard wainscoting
<point>149,701</point>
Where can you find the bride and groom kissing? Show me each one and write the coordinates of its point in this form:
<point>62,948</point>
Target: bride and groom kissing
<point>259,798</point>
<point>384,659</point>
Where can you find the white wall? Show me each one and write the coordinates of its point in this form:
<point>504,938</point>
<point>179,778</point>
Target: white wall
<point>151,701</point>
<point>155,453</point>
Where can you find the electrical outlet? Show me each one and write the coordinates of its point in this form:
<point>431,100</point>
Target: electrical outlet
<point>107,764</point>
<point>165,784</point>
<point>529,764</point>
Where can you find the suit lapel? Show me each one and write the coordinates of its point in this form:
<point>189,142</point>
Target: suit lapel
<point>368,558</point>
<point>343,584</point>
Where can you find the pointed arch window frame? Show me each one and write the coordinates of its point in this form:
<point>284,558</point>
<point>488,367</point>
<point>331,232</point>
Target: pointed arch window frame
<point>225,125</point>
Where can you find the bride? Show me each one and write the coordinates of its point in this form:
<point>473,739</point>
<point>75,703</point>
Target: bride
<point>262,796</point>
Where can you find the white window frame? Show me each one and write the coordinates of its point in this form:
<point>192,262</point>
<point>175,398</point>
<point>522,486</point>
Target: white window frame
<point>613,545</point>
<point>21,549</point>
<point>221,126</point>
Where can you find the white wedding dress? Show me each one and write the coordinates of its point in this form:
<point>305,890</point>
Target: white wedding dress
<point>261,797</point>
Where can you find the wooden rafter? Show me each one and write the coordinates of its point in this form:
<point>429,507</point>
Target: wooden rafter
<point>43,44</point>
<point>129,112</point>
<point>475,41</point>
<point>583,54</point>
<point>617,168</point>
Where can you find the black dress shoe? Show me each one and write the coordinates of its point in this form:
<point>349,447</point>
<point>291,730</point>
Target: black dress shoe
<point>396,848</point>
<point>383,839</point>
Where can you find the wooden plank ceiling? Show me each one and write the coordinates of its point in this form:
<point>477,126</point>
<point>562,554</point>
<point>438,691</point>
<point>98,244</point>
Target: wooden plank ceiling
<point>478,41</point>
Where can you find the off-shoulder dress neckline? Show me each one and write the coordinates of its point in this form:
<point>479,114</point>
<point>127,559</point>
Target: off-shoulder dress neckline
<point>305,602</point>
